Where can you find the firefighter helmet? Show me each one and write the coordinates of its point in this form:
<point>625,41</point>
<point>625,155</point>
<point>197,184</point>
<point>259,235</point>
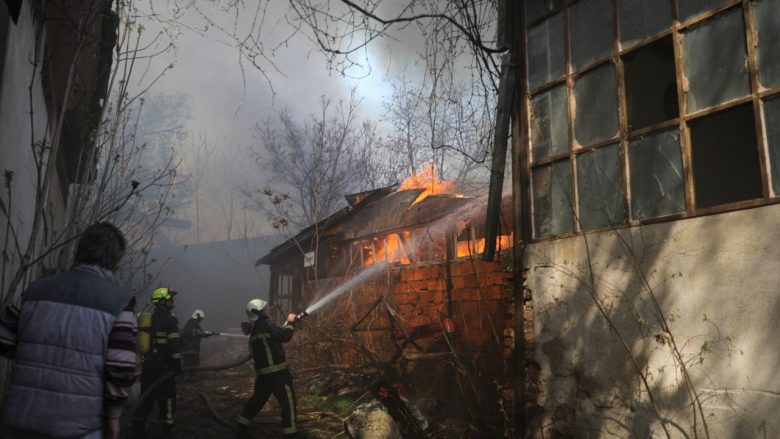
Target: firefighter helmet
<point>254,307</point>
<point>162,293</point>
<point>198,314</point>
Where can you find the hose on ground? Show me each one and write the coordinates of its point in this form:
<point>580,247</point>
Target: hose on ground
<point>149,390</point>
<point>214,413</point>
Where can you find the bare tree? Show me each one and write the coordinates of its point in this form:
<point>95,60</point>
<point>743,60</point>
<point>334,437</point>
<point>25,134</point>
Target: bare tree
<point>112,182</point>
<point>319,161</point>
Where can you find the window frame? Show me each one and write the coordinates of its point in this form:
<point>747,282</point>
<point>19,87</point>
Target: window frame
<point>676,30</point>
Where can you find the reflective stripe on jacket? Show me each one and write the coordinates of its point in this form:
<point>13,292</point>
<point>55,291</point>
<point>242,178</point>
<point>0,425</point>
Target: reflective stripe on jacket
<point>265,344</point>
<point>165,350</point>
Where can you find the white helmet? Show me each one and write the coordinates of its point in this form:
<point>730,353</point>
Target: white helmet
<point>198,314</point>
<point>254,307</point>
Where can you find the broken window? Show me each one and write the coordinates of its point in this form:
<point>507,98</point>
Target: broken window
<point>438,244</point>
<point>552,199</point>
<point>368,253</point>
<point>600,188</point>
<point>725,157</point>
<point>284,292</point>
<point>595,96</point>
<point>546,56</point>
<point>772,118</point>
<point>464,241</point>
<point>657,186</point>
<point>355,255</point>
<point>421,244</point>
<point>550,123</point>
<point>641,19</point>
<point>689,8</point>
<point>651,85</point>
<point>379,249</point>
<point>767,19</point>
<point>592,31</point>
<point>393,248</point>
<point>714,55</point>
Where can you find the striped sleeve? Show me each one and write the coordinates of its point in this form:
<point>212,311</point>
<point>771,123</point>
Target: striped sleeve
<point>120,360</point>
<point>174,338</point>
<point>9,322</point>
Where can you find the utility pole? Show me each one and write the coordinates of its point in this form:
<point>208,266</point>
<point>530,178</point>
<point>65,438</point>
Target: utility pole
<point>511,108</point>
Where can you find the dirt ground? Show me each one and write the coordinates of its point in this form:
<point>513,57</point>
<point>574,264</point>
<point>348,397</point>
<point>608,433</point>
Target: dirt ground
<point>226,393</point>
<point>211,401</point>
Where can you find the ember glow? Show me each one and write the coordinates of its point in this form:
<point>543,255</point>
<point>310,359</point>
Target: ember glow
<point>428,180</point>
<point>477,246</point>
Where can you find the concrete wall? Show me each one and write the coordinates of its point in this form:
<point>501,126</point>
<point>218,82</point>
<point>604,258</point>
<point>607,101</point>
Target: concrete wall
<point>715,280</point>
<point>17,132</point>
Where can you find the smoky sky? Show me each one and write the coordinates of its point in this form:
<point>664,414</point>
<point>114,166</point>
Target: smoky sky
<point>229,95</point>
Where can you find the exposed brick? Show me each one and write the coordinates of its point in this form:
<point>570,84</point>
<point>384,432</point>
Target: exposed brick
<point>434,296</point>
<point>465,281</point>
<point>403,287</point>
<point>491,279</point>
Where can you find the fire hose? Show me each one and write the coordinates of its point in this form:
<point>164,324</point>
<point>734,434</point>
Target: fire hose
<point>149,390</point>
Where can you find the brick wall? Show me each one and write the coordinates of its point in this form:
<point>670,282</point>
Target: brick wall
<point>474,369</point>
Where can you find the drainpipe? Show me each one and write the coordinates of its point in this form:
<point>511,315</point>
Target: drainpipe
<point>448,324</point>
<point>449,251</point>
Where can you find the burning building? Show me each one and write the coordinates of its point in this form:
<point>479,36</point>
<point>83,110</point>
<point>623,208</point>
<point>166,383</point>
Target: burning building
<point>431,301</point>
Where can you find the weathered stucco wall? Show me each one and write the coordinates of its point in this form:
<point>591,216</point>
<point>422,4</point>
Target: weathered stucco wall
<point>18,131</point>
<point>715,280</point>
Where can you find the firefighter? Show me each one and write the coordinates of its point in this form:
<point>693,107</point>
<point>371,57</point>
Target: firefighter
<point>273,373</point>
<point>163,362</point>
<point>191,335</point>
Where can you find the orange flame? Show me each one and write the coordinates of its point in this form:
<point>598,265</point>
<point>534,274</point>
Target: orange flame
<point>477,247</point>
<point>428,179</point>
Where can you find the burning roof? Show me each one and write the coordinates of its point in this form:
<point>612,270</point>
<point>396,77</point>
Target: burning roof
<point>420,199</point>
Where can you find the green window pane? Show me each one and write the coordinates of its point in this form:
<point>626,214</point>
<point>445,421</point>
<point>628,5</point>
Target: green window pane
<point>595,95</point>
<point>600,188</point>
<point>714,58</point>
<point>689,8</point>
<point>641,19</point>
<point>656,177</point>
<point>546,54</point>
<point>767,18</point>
<point>549,123</point>
<point>592,31</point>
<point>535,9</point>
<point>772,118</point>
<point>552,199</point>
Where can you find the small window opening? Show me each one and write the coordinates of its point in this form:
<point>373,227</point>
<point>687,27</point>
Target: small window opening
<point>651,90</point>
<point>725,157</point>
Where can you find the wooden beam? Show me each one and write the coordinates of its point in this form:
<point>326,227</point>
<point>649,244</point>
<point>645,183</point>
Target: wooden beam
<point>501,135</point>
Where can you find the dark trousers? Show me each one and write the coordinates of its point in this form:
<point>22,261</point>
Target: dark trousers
<point>190,359</point>
<point>164,396</point>
<point>280,384</point>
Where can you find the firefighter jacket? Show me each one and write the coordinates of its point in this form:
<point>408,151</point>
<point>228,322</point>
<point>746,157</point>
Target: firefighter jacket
<point>165,350</point>
<point>265,343</point>
<point>190,337</point>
